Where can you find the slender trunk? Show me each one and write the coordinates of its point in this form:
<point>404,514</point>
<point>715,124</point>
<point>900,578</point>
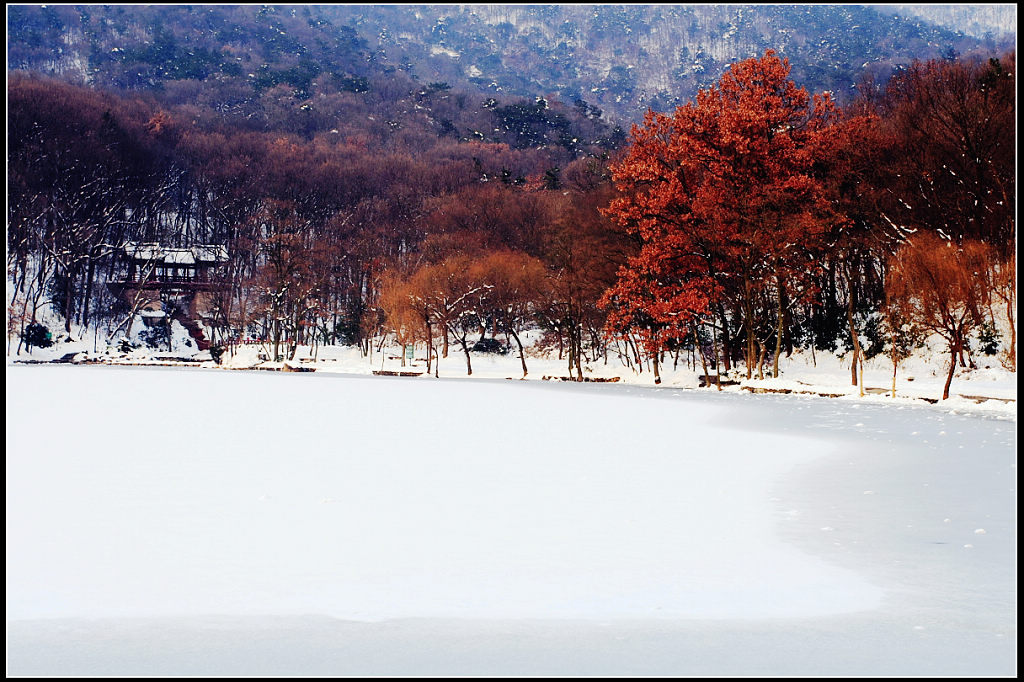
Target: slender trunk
<point>90,274</point>
<point>954,349</point>
<point>636,353</point>
<point>726,338</point>
<point>522,355</point>
<point>275,335</point>
<point>853,337</point>
<point>569,357</point>
<point>895,366</point>
<point>430,344</point>
<point>748,314</point>
<point>1011,352</point>
<point>657,374</point>
<point>69,288</point>
<point>293,349</point>
<point>469,365</point>
<point>465,349</point>
<point>703,361</point>
<point>778,330</point>
<point>860,383</point>
<point>576,339</point>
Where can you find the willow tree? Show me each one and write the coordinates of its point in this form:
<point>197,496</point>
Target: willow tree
<point>941,287</point>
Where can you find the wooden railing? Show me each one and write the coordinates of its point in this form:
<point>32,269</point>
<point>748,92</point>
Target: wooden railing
<point>202,278</point>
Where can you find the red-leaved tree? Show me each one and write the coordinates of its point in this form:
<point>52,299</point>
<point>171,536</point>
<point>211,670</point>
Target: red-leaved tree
<point>725,197</point>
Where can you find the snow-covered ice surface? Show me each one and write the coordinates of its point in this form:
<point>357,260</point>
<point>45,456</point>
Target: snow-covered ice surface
<point>168,521</point>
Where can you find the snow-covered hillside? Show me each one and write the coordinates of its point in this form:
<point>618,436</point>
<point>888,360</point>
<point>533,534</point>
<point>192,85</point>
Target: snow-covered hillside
<point>974,19</point>
<point>194,521</point>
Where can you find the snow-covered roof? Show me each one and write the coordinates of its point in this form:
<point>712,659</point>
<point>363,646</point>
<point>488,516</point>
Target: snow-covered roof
<point>200,253</point>
<point>179,257</point>
<point>141,251</point>
<point>210,253</point>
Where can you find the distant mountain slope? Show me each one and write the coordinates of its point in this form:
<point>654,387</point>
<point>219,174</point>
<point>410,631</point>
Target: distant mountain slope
<point>617,59</point>
<point>145,46</point>
<point>625,58</point>
<point>997,22</point>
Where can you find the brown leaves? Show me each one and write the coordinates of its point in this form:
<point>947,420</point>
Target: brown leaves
<point>725,185</point>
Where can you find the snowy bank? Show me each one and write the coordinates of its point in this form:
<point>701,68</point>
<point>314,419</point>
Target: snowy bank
<point>988,389</point>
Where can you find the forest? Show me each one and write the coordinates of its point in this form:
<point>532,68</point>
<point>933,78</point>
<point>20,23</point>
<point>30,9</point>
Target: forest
<point>753,220</point>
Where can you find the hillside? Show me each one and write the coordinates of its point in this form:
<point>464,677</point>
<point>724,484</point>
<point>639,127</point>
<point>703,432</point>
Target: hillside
<point>990,22</point>
<point>626,58</point>
<point>566,52</point>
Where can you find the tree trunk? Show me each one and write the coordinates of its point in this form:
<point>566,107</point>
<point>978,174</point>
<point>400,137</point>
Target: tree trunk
<point>90,273</point>
<point>465,349</point>
<point>748,314</point>
<point>703,361</point>
<point>631,346</point>
<point>522,355</point>
<point>954,350</point>
<point>778,330</point>
<point>430,344</point>
<point>69,290</point>
<point>575,351</point>
<point>469,365</point>
<point>853,337</point>
<point>1011,353</point>
<point>275,335</point>
<point>726,338</point>
<point>294,346</point>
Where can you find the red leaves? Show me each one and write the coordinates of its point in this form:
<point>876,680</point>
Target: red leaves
<point>723,196</point>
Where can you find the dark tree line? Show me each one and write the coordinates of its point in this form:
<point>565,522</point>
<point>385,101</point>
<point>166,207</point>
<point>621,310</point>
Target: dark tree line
<point>773,220</point>
<point>342,213</point>
<point>314,221</point>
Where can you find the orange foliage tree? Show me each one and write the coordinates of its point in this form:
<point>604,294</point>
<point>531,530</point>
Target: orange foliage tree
<point>516,286</point>
<point>942,288</point>
<point>725,198</point>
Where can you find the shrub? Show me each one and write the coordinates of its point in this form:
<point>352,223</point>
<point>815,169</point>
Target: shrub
<point>157,336</point>
<point>37,335</point>
<point>989,337</point>
<point>217,352</point>
<point>490,346</point>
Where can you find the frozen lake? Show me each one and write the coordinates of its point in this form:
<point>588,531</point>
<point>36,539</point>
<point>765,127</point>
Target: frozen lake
<point>210,522</point>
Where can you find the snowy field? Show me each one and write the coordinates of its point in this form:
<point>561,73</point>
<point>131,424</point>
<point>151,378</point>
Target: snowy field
<point>203,522</point>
